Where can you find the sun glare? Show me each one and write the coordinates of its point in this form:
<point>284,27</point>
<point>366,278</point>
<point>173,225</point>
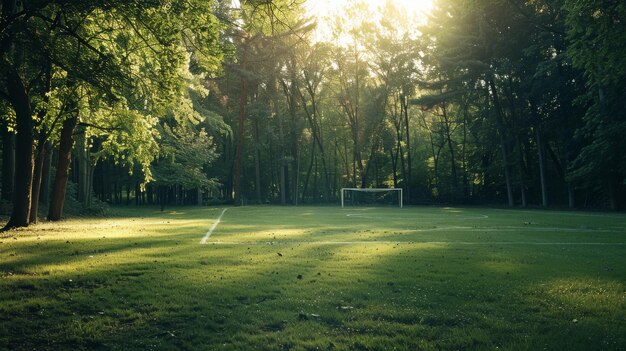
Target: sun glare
<point>324,11</point>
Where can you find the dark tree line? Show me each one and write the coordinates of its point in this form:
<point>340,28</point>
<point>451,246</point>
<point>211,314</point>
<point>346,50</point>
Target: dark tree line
<point>191,102</point>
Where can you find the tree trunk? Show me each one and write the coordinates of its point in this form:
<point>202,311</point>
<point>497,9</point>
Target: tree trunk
<point>520,160</point>
<point>349,177</point>
<point>239,148</point>
<point>282,163</point>
<point>40,152</point>
<point>312,116</point>
<point>284,184</point>
<point>523,168</point>
<point>37,178</point>
<point>464,154</point>
<point>448,132</point>
<point>436,151</point>
<point>161,196</point>
<point>400,154</point>
<point>82,156</point>
<point>257,163</point>
<point>18,97</point>
<point>612,190</point>
<point>503,146</point>
<point>409,181</point>
<point>296,183</point>
<point>102,184</point>
<point>148,192</point>
<point>366,170</point>
<point>66,143</point>
<point>44,193</point>
<point>570,196</point>
<point>90,169</point>
<point>127,194</point>
<point>315,183</point>
<point>308,172</point>
<point>114,194</point>
<point>137,193</point>
<point>394,167</point>
<point>542,172</point>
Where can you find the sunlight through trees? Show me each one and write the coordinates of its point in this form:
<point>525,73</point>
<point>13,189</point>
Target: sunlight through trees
<point>284,101</point>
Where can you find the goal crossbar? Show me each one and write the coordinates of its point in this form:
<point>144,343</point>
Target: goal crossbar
<point>371,190</point>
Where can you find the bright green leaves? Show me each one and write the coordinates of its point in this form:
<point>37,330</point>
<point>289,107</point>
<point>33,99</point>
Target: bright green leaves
<point>186,151</point>
<point>126,135</point>
<point>153,51</point>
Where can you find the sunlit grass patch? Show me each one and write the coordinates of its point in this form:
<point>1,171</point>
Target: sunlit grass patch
<point>587,296</point>
<point>309,277</point>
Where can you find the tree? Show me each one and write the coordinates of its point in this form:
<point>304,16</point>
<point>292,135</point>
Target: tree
<point>111,47</point>
<point>394,56</point>
<point>314,60</point>
<point>597,36</point>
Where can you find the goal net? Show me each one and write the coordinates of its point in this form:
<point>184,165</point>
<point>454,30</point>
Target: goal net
<point>371,197</point>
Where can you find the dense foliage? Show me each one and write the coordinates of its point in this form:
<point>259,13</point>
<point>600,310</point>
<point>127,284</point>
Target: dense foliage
<point>192,101</point>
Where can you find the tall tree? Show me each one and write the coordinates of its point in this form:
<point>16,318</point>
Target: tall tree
<point>113,48</point>
<point>597,36</point>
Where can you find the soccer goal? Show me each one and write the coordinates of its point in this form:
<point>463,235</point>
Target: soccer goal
<point>371,196</point>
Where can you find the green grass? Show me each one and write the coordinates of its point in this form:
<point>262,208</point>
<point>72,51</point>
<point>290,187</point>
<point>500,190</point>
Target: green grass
<point>317,278</point>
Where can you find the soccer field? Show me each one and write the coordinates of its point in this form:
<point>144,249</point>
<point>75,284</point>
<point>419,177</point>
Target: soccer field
<point>317,278</point>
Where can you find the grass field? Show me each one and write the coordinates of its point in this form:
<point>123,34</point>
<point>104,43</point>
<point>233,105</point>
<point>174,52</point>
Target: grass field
<point>317,278</point>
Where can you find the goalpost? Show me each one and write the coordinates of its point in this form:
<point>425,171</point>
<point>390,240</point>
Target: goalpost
<point>344,191</point>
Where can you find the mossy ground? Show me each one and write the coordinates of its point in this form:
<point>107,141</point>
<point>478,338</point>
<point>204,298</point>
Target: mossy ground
<point>317,278</point>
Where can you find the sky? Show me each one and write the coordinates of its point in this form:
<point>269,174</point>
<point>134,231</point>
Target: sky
<point>322,9</point>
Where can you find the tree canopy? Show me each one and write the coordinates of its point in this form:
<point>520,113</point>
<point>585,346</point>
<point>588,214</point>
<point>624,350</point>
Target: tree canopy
<point>194,101</point>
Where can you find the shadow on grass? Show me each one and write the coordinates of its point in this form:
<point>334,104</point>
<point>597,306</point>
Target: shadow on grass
<point>167,292</point>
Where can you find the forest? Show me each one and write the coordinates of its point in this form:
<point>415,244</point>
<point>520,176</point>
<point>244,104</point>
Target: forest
<point>193,102</point>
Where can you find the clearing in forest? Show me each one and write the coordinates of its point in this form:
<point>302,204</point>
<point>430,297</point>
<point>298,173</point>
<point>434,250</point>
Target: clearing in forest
<point>302,278</point>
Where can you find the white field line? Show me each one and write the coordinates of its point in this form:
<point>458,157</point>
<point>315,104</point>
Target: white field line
<point>515,229</point>
<point>289,242</point>
<point>358,215</point>
<point>561,213</point>
<point>511,229</point>
<point>208,234</point>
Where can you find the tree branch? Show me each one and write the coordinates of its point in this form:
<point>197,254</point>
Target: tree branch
<point>106,129</point>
